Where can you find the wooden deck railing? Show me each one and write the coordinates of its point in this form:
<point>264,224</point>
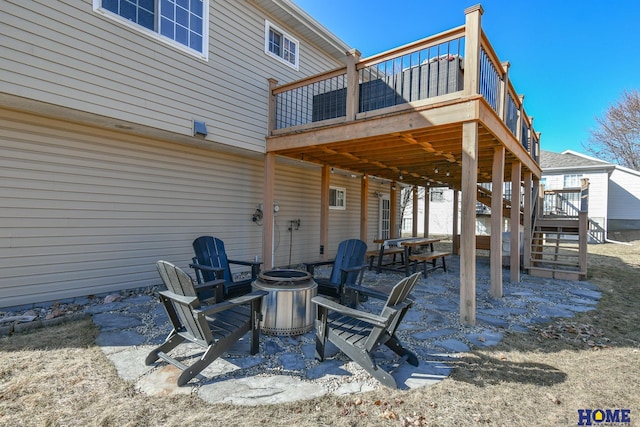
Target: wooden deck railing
<point>419,73</point>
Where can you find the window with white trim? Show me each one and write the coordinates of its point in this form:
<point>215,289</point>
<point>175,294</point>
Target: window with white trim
<point>337,198</point>
<point>436,195</point>
<point>572,181</point>
<point>182,23</point>
<point>281,45</point>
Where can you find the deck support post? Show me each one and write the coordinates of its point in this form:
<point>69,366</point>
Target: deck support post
<point>267,210</point>
<point>364,207</point>
<point>527,223</point>
<point>427,198</point>
<point>454,231</point>
<point>325,181</point>
<point>504,91</point>
<point>353,86</point>
<point>271,125</point>
<point>515,221</point>
<point>468,223</point>
<point>414,231</point>
<point>497,191</point>
<point>473,36</point>
<point>393,208</point>
<point>520,120</point>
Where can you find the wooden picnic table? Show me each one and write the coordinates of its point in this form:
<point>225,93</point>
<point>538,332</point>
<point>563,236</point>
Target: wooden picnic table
<point>407,244</point>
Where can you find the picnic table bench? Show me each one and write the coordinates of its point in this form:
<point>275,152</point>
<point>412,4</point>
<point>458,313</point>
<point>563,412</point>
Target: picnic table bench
<point>379,253</point>
<point>403,246</point>
<point>432,256</point>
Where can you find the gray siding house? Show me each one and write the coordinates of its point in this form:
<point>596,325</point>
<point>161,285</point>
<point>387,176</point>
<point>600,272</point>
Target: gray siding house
<point>614,191</point>
<point>129,130</point>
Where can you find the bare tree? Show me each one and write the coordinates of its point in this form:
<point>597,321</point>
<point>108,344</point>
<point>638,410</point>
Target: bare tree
<point>617,137</point>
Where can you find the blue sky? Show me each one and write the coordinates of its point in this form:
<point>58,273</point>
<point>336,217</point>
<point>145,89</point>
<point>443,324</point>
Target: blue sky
<point>571,59</point>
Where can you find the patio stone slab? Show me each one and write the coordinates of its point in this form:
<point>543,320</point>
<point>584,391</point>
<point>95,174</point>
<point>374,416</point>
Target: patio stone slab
<point>114,321</point>
<point>120,339</point>
<point>453,345</point>
<point>292,361</point>
<point>433,334</point>
<point>162,382</point>
<point>260,391</point>
<point>485,339</point>
<point>130,363</point>
<point>327,367</point>
<point>103,308</point>
<point>587,293</point>
<point>493,321</point>
<point>556,312</point>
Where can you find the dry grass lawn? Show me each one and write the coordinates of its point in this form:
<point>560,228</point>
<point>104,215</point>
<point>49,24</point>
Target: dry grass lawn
<point>58,377</point>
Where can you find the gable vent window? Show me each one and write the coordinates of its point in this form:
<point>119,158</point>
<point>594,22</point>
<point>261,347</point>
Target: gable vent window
<point>337,198</point>
<point>281,45</point>
<point>182,23</point>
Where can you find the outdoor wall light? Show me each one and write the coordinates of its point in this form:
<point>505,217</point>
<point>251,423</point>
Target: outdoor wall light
<point>199,128</point>
<point>436,170</point>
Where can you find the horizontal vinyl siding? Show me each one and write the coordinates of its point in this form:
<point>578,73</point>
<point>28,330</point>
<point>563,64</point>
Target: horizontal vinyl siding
<point>86,211</point>
<point>624,196</point>
<point>344,224</point>
<point>598,196</point>
<point>65,54</point>
<point>298,194</point>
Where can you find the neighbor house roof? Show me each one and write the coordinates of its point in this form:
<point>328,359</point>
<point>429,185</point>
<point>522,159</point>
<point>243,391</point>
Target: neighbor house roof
<point>568,159</point>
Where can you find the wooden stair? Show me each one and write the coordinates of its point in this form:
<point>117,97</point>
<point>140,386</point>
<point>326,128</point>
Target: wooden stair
<point>559,249</point>
<point>483,195</point>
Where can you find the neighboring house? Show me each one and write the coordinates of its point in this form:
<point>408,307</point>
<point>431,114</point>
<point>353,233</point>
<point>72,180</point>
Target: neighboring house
<point>614,191</point>
<point>614,196</point>
<point>440,213</point>
<point>126,135</point>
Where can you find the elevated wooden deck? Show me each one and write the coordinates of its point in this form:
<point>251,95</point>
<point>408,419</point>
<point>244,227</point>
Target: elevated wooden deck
<point>440,112</point>
<point>399,115</point>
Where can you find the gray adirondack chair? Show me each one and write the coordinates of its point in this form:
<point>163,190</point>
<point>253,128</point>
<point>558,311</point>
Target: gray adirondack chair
<point>358,333</point>
<point>216,327</point>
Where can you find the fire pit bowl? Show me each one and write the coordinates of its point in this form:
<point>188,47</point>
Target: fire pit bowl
<point>287,308</point>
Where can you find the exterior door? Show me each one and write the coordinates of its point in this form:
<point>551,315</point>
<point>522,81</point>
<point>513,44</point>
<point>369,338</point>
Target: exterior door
<point>385,217</point>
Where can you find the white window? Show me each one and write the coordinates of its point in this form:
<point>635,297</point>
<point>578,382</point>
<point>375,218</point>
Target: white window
<point>181,23</point>
<point>337,198</point>
<point>281,45</point>
<point>436,195</point>
<point>572,181</point>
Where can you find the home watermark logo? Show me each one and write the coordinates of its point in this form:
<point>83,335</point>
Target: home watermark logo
<point>604,417</point>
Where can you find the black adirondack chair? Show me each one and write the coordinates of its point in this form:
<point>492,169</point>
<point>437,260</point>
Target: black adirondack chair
<point>358,333</point>
<point>348,268</point>
<point>211,263</point>
<point>215,328</point>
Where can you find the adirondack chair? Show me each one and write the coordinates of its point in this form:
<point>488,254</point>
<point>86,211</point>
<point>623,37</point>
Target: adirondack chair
<point>348,268</point>
<point>211,263</point>
<point>216,327</point>
<point>358,333</point>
